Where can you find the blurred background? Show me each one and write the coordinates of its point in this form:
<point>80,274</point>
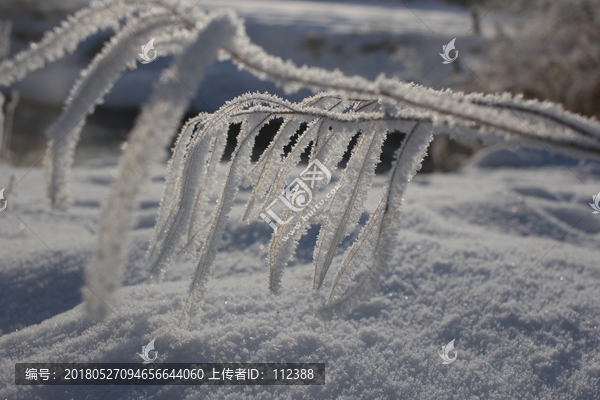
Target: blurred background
<point>548,50</point>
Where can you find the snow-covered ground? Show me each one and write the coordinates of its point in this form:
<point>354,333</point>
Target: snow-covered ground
<point>502,256</point>
<point>502,259</point>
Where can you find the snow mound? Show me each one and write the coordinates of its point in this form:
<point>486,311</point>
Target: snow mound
<point>502,260</point>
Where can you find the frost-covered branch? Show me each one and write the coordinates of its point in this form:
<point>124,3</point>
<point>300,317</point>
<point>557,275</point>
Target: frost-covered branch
<point>492,113</point>
<point>162,114</point>
<point>325,124</point>
<point>96,82</point>
<point>332,122</point>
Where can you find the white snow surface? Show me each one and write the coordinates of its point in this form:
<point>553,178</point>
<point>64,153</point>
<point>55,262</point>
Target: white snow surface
<point>486,256</point>
<point>348,17</point>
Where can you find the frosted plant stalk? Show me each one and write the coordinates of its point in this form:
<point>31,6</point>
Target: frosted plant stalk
<point>160,115</point>
<point>346,106</point>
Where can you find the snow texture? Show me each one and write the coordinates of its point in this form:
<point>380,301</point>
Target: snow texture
<point>483,249</point>
<point>494,117</point>
<point>492,257</point>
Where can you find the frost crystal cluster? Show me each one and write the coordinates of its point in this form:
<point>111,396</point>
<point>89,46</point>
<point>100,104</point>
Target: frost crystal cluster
<point>345,109</point>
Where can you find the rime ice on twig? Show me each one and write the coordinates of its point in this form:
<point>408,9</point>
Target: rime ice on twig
<point>333,118</point>
<point>162,114</point>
